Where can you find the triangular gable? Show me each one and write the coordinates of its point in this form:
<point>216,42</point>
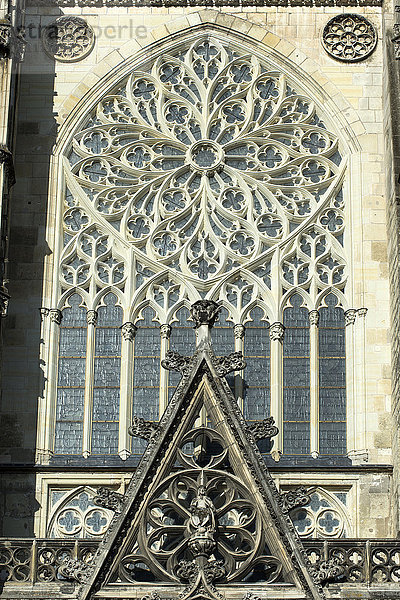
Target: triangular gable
<point>202,516</point>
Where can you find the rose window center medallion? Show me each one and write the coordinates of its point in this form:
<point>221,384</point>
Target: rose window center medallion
<point>206,156</point>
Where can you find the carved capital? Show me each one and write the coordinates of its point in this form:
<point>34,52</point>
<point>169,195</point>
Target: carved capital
<point>204,312</point>
<point>12,43</point>
<point>109,499</point>
<point>239,331</point>
<point>313,316</point>
<point>55,315</point>
<point>165,331</point>
<point>44,312</point>
<point>6,159</point>
<point>362,312</point>
<point>263,429</point>
<point>128,331</point>
<point>143,429</point>
<point>350,316</point>
<point>276,332</point>
<point>327,570</point>
<point>91,317</point>
<point>299,496</point>
<point>176,362</point>
<point>75,570</point>
<point>226,364</point>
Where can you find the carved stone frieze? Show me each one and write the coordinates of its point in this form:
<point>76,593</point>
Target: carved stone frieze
<point>143,429</point>
<point>109,499</point>
<point>205,312</point>
<point>226,364</point>
<point>296,497</point>
<point>327,570</point>
<point>264,429</point>
<point>68,39</point>
<point>176,362</point>
<point>75,570</point>
<point>276,332</point>
<point>197,3</point>
<point>349,37</point>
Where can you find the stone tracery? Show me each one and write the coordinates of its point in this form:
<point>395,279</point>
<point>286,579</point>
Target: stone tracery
<point>204,165</point>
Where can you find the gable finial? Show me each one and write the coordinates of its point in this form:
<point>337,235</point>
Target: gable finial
<point>204,314</point>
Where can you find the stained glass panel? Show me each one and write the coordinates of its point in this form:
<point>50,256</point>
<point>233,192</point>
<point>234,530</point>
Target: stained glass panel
<point>296,379</point>
<point>332,378</point>
<point>256,402</point>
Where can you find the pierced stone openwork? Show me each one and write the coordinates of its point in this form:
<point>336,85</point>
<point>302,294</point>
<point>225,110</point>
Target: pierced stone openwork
<point>200,166</point>
<point>201,519</point>
<point>68,39</point>
<point>349,37</point>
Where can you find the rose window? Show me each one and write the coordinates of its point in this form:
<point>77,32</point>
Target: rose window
<point>205,163</point>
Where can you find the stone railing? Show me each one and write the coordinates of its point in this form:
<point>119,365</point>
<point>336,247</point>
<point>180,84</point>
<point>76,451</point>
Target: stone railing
<point>37,560</point>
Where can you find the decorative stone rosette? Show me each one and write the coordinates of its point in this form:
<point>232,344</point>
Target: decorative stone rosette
<point>349,38</point>
<point>68,39</point>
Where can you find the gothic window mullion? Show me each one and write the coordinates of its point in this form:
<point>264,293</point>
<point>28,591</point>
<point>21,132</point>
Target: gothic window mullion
<point>314,383</point>
<point>91,317</point>
<point>239,333</point>
<point>51,387</point>
<point>276,334</point>
<point>165,333</point>
<point>128,333</point>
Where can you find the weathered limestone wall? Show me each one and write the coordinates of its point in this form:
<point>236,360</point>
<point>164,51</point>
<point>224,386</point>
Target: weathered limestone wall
<point>354,95</point>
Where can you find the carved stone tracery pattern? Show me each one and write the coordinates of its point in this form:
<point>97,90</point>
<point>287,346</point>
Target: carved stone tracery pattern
<point>204,511</point>
<point>204,165</point>
<point>349,37</point>
<point>68,39</point>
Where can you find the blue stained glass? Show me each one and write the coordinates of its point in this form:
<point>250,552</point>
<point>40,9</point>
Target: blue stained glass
<point>68,438</point>
<point>109,315</point>
<point>182,337</point>
<point>147,371</point>
<point>296,372</point>
<point>332,438</point>
<point>297,341</point>
<point>332,378</point>
<point>70,404</point>
<point>106,404</point>
<point>332,405</point>
<point>108,341</point>
<point>296,404</point>
<point>105,438</point>
<point>331,341</point>
<point>223,340</point>
<point>76,315</point>
<point>296,438</point>
<point>71,372</point>
<point>257,373</point>
<point>146,389</point>
<point>145,402</point>
<point>72,341</point>
<point>107,372</point>
<point>296,379</point>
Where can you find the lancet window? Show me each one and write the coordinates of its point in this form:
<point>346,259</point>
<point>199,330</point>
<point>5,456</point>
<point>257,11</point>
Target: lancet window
<point>204,172</point>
